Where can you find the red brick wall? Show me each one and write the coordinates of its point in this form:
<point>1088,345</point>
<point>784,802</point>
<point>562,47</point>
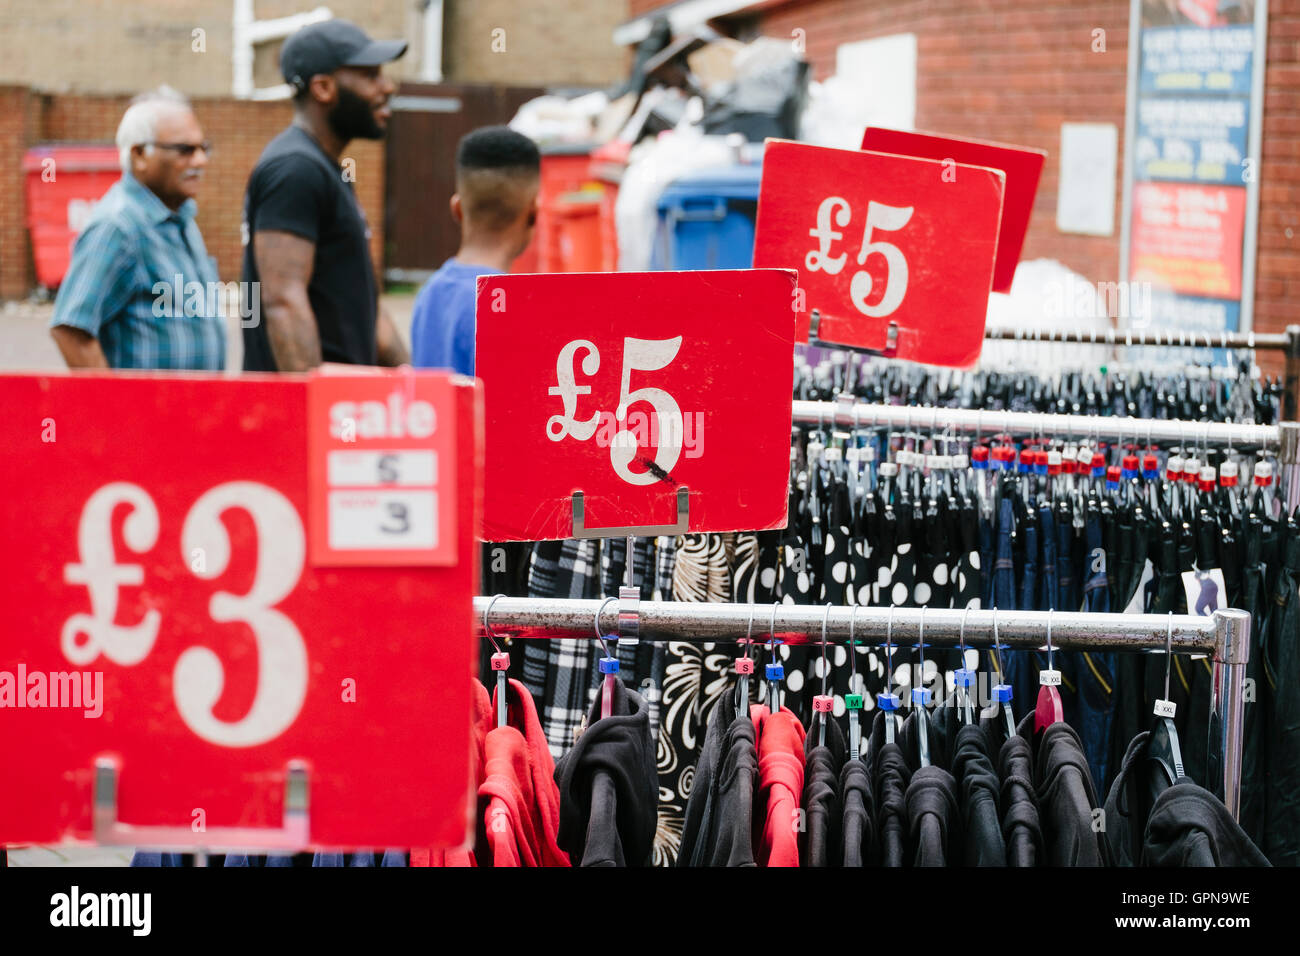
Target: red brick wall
<point>238,129</point>
<point>1013,71</point>
<point>15,260</point>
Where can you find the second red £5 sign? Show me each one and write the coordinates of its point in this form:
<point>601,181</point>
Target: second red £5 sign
<point>883,240</point>
<point>628,388</point>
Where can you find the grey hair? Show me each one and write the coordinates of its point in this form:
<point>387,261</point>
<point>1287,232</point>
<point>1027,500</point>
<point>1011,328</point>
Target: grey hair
<point>140,121</point>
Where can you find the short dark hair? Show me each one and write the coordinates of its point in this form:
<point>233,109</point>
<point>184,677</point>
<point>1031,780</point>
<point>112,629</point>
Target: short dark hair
<point>497,172</point>
<point>497,147</point>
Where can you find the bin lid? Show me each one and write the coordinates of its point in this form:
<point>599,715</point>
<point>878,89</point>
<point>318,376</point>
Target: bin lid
<point>725,182</point>
<point>72,158</point>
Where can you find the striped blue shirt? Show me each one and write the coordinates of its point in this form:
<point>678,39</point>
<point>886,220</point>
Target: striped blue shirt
<point>142,283</point>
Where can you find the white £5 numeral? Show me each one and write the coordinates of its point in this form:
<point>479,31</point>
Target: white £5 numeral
<point>281,654</point>
<point>647,355</point>
<point>886,219</point>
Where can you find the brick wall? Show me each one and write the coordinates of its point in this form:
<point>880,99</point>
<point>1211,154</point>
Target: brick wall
<point>124,47</point>
<point>238,129</point>
<point>552,43</point>
<point>1014,71</point>
<point>1005,70</point>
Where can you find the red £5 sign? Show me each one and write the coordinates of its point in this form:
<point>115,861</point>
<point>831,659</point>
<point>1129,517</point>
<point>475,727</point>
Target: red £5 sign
<point>160,611</point>
<point>628,388</point>
<point>883,240</point>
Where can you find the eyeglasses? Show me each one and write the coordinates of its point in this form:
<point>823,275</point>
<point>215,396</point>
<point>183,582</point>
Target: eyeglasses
<point>185,150</point>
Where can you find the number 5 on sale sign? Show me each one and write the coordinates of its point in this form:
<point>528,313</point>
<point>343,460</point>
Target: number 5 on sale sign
<point>635,390</point>
<point>883,241</point>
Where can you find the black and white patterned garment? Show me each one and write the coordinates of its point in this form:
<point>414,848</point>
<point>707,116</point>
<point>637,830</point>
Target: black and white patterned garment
<point>837,567</point>
<point>695,676</point>
<point>558,673</point>
<point>967,576</point>
<point>862,556</point>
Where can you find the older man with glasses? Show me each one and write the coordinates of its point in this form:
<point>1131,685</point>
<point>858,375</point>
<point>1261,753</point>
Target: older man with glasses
<point>141,291</point>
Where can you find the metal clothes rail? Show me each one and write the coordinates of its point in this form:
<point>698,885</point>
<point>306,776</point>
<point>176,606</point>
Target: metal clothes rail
<point>1284,438</point>
<point>1287,342</point>
<point>1224,637</point>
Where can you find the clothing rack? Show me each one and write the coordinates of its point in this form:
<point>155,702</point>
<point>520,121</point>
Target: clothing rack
<point>1224,637</point>
<point>1287,342</point>
<point>1285,438</point>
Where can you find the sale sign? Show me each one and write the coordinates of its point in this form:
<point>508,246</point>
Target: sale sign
<point>161,614</point>
<point>637,392</point>
<point>376,441</point>
<point>1022,165</point>
<point>883,243</point>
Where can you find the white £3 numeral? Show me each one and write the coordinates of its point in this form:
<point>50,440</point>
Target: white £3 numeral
<point>281,653</point>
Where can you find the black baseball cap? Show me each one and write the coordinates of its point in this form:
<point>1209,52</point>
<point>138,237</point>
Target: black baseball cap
<point>324,47</point>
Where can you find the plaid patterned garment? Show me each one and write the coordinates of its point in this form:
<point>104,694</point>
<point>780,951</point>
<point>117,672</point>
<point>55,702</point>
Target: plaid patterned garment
<point>562,675</point>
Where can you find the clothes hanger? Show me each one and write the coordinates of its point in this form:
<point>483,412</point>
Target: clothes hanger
<point>608,665</point>
<point>888,701</point>
<point>963,677</point>
<point>921,699</point>
<point>1164,753</point>
<point>1049,709</point>
<point>823,703</point>
<point>853,701</point>
<point>744,667</point>
<point>774,672</point>
<point>500,662</point>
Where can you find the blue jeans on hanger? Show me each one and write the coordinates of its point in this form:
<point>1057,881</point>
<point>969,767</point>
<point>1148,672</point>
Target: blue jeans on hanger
<point>1021,673</point>
<point>1096,671</point>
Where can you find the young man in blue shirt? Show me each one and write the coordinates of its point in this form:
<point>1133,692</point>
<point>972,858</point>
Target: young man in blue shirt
<point>498,173</point>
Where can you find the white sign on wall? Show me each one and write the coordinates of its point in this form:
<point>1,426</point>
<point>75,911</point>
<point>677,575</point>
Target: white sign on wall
<point>1085,199</point>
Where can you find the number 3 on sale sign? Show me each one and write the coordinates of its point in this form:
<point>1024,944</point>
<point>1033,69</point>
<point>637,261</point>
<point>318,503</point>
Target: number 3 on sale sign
<point>883,241</point>
<point>629,387</point>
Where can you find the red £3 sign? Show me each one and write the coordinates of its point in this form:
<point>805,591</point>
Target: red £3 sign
<point>881,241</point>
<point>643,392</point>
<point>162,613</point>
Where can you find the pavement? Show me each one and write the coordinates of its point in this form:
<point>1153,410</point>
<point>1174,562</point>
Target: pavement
<point>25,345</point>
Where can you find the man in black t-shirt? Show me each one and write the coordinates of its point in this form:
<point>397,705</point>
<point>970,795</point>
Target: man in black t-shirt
<point>305,236</point>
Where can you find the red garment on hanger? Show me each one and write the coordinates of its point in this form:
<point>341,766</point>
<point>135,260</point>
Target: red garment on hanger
<point>482,721</point>
<point>522,817</point>
<point>780,785</point>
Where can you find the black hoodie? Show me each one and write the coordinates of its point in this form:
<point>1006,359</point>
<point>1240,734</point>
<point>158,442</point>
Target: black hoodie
<point>1067,798</point>
<point>609,787</point>
<point>1018,804</point>
<point>978,783</point>
<point>719,813</point>
<point>820,842</point>
<point>859,821</point>
<point>1189,826</point>
<point>891,776</point>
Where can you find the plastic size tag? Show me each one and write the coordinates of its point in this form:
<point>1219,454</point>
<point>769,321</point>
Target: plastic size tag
<point>1165,708</point>
<point>1049,678</point>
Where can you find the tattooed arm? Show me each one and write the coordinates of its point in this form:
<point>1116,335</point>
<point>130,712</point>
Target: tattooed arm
<point>284,264</point>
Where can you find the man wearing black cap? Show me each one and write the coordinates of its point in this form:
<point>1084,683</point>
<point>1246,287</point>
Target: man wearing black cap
<point>305,236</point>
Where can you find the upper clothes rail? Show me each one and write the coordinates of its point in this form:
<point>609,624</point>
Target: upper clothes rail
<point>1287,342</point>
<point>977,421</point>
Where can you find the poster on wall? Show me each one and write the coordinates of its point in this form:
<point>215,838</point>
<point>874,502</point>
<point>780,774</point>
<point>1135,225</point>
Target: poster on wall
<point>1191,175</point>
